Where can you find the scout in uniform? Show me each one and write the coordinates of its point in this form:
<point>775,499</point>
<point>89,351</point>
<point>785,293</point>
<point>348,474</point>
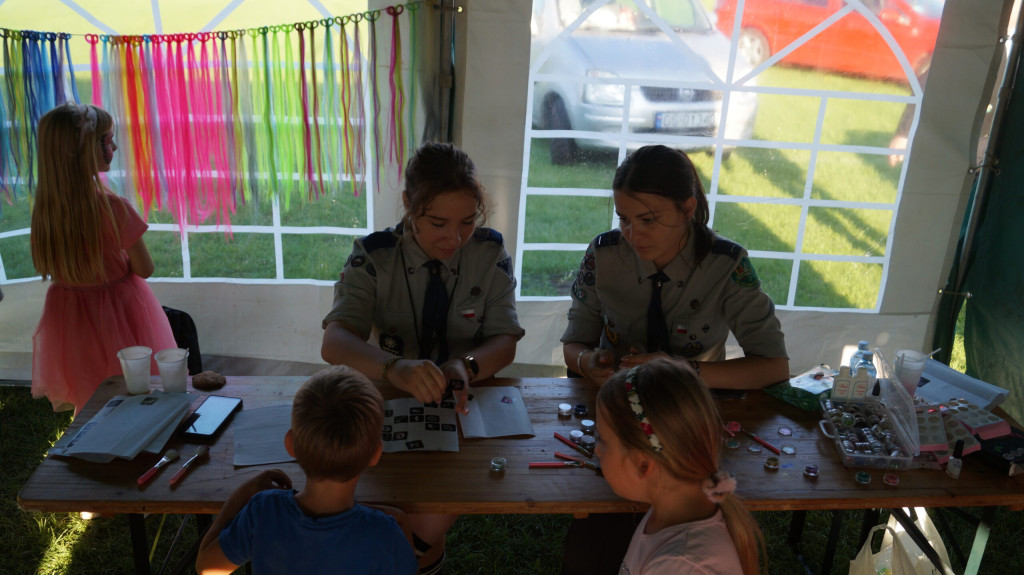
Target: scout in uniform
<point>429,304</point>
<point>666,284</point>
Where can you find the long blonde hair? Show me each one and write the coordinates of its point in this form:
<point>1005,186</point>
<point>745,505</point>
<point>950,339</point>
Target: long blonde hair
<point>71,204</point>
<point>686,421</point>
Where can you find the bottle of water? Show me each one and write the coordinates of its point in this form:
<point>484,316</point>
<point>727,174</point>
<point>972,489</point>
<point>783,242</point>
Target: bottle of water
<point>866,362</point>
<point>862,346</point>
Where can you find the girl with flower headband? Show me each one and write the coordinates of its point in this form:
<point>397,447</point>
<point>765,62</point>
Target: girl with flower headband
<point>88,241</point>
<point>658,438</point>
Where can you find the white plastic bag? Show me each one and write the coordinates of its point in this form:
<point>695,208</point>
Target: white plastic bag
<point>891,559</point>
<point>922,565</point>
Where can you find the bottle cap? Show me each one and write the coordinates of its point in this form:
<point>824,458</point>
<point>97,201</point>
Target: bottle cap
<point>958,451</point>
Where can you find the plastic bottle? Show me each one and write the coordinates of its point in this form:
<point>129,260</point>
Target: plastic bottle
<point>956,462</point>
<point>867,362</point>
<point>862,346</point>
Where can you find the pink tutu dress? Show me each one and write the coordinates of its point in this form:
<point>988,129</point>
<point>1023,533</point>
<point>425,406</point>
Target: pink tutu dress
<point>75,346</point>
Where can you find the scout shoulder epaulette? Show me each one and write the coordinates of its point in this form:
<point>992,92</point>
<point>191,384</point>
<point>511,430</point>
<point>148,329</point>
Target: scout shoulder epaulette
<point>725,247</point>
<point>488,235</point>
<point>378,240</point>
<point>610,238</point>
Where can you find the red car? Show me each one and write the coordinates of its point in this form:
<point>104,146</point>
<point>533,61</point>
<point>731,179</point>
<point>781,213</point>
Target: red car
<point>850,45</point>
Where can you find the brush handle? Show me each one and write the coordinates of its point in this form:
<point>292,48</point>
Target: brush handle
<point>148,475</point>
<point>178,475</point>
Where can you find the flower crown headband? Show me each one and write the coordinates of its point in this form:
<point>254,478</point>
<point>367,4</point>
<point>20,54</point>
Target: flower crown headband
<point>638,410</point>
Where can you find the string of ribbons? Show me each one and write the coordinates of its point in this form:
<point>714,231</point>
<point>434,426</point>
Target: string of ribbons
<point>208,121</point>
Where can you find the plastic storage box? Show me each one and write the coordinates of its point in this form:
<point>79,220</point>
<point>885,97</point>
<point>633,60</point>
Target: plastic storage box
<point>873,431</point>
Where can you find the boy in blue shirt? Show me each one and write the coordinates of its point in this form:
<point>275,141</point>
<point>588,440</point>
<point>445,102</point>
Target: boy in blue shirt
<point>337,419</point>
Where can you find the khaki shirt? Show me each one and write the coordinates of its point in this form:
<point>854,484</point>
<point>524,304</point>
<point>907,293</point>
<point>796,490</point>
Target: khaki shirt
<point>701,304</point>
<point>380,292</point>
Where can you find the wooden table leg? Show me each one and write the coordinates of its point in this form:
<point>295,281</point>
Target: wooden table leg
<point>140,544</point>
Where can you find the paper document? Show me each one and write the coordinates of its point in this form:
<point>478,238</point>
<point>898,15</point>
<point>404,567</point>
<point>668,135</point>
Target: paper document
<point>259,435</point>
<point>496,412</point>
<point>940,383</point>
<point>412,426</point>
<point>126,426</point>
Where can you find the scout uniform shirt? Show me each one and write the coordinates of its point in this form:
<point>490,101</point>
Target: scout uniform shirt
<point>701,303</point>
<point>381,290</point>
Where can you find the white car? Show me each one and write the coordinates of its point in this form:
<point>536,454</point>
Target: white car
<point>669,53</point>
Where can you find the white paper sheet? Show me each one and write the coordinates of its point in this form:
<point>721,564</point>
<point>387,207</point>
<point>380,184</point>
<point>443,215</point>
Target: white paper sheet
<point>940,383</point>
<point>412,426</point>
<point>496,412</point>
<point>259,435</point>
<point>125,426</point>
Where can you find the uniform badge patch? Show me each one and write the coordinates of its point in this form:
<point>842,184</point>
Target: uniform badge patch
<point>610,335</point>
<point>391,344</point>
<point>577,291</point>
<point>744,274</point>
<point>588,279</point>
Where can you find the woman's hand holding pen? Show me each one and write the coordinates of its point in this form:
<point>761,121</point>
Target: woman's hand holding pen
<point>420,378</point>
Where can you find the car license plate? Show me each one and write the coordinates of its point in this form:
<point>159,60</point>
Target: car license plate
<point>683,120</point>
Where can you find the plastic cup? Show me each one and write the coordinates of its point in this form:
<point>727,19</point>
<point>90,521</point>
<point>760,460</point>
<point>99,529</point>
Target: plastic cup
<point>135,362</point>
<point>173,365</point>
<point>909,367</point>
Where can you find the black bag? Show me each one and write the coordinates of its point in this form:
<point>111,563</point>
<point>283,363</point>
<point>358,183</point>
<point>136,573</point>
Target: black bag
<point>185,335</point>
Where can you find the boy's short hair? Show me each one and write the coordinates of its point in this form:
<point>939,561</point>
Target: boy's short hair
<point>337,421</point>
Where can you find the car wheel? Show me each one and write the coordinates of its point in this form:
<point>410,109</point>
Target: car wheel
<point>753,46</point>
<point>563,150</point>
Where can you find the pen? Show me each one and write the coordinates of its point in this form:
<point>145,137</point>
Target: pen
<point>770,447</point>
<point>569,442</point>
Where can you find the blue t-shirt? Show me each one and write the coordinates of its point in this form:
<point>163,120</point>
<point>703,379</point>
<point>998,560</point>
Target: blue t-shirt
<point>273,532</point>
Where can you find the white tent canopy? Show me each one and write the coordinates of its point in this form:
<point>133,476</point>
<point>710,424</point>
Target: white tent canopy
<point>281,323</point>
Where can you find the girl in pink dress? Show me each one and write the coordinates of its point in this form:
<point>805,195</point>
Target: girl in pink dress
<point>89,242</point>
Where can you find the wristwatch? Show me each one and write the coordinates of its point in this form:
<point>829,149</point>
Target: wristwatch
<point>471,366</point>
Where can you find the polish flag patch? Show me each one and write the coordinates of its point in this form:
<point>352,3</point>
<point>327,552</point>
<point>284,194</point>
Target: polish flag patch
<point>468,313</point>
<point>680,329</point>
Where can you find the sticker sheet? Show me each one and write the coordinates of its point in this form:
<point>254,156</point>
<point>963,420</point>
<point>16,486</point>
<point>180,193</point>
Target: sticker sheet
<point>413,426</point>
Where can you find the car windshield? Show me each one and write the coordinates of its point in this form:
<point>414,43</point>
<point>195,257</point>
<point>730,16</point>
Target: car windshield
<point>928,8</point>
<point>624,16</point>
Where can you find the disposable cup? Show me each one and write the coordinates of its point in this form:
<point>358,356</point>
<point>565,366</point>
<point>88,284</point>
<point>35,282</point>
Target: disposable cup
<point>909,367</point>
<point>135,362</point>
<point>173,365</point>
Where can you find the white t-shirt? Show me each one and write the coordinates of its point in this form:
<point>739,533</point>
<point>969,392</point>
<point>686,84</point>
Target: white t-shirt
<point>700,547</point>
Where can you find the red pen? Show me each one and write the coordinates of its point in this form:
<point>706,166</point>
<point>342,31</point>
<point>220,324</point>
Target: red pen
<point>770,447</point>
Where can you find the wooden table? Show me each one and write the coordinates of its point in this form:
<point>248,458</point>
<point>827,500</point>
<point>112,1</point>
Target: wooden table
<point>442,482</point>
